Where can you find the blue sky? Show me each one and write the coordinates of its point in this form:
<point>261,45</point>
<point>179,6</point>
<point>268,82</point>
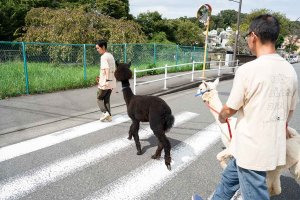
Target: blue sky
<point>179,8</point>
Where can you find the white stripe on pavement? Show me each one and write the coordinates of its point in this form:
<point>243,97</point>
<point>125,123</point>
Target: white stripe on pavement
<point>23,184</point>
<point>145,180</point>
<point>236,196</point>
<point>35,144</point>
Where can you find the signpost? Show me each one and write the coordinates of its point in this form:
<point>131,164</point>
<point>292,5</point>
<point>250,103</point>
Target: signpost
<point>204,15</point>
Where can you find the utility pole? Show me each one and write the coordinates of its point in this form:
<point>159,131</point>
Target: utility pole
<point>238,29</point>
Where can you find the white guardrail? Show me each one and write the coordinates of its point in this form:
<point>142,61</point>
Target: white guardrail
<point>214,66</point>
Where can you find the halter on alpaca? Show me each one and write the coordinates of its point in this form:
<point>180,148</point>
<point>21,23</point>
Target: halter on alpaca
<point>210,96</point>
<point>142,108</point>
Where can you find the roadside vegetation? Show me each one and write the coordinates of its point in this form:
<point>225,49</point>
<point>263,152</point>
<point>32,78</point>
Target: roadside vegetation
<point>45,78</point>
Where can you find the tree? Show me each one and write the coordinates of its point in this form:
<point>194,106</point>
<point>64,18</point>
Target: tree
<point>188,33</point>
<point>114,8</point>
<point>75,25</point>
<point>150,23</point>
<point>290,48</point>
<point>13,13</point>
<point>161,38</point>
<point>228,18</point>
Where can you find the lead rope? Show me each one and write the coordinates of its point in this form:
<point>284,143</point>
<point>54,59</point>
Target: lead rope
<point>227,122</point>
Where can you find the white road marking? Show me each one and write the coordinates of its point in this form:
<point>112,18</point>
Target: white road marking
<point>20,185</point>
<point>35,144</point>
<point>145,180</point>
<point>236,196</point>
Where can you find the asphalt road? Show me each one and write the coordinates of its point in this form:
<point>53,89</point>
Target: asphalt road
<point>94,160</point>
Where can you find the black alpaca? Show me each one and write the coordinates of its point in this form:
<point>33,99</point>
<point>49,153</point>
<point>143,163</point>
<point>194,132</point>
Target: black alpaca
<point>142,108</point>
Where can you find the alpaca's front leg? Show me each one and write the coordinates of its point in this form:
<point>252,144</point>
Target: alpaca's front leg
<point>273,181</point>
<point>134,131</point>
<point>223,157</point>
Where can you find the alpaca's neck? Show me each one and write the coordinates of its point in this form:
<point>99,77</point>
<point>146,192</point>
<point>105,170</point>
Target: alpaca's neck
<point>127,92</point>
<point>216,104</point>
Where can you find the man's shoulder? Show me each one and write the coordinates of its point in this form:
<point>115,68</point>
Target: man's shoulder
<point>246,66</point>
<point>108,55</point>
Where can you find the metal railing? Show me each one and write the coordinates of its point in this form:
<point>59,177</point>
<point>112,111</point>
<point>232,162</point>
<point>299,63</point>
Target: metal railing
<point>214,66</point>
<point>35,67</point>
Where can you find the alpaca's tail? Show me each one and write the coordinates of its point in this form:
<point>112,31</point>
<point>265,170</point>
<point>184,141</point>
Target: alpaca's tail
<point>169,122</point>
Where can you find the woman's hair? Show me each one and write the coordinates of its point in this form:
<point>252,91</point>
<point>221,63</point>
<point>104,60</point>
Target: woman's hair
<point>102,43</point>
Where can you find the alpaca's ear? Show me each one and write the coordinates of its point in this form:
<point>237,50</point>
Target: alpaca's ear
<point>215,83</point>
<point>117,63</point>
<point>129,64</point>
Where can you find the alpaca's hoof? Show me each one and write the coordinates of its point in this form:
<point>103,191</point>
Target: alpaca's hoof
<point>129,137</point>
<point>139,153</point>
<point>168,163</point>
<point>169,167</point>
<point>155,156</point>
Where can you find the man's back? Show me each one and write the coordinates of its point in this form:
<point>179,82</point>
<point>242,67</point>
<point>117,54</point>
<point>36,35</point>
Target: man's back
<point>266,89</point>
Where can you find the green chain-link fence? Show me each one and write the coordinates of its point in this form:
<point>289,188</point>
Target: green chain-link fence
<point>31,67</point>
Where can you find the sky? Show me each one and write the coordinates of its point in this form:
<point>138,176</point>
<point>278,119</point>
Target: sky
<point>172,9</point>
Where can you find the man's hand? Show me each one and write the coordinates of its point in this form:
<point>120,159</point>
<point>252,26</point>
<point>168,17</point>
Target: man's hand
<point>225,113</point>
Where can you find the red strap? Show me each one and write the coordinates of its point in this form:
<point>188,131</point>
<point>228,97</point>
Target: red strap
<point>229,129</point>
<point>227,121</point>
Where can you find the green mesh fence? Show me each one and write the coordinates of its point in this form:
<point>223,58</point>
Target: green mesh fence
<point>28,68</point>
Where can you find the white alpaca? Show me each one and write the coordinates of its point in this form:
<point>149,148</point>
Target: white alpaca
<point>210,96</point>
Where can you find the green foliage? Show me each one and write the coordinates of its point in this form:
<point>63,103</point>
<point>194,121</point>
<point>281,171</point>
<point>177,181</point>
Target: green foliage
<point>224,19</point>
<point>290,48</point>
<point>279,41</point>
<point>75,25</point>
<point>161,38</point>
<point>13,12</point>
<point>188,33</point>
<point>113,8</point>
<point>42,78</point>
<point>12,15</point>
<point>183,31</point>
<point>150,22</point>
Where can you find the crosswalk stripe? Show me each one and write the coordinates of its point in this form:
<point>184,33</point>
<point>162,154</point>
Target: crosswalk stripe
<point>145,180</point>
<point>29,181</point>
<point>35,144</point>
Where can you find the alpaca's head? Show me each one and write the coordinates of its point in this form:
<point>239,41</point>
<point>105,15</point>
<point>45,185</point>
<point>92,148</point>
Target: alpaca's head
<point>207,89</point>
<point>123,71</point>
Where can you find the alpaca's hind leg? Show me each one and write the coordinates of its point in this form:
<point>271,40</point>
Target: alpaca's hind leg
<point>134,131</point>
<point>166,145</point>
<point>131,131</point>
<point>158,151</point>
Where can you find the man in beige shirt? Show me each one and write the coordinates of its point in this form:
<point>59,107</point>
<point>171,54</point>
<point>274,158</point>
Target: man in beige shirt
<point>264,95</point>
<point>107,80</point>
